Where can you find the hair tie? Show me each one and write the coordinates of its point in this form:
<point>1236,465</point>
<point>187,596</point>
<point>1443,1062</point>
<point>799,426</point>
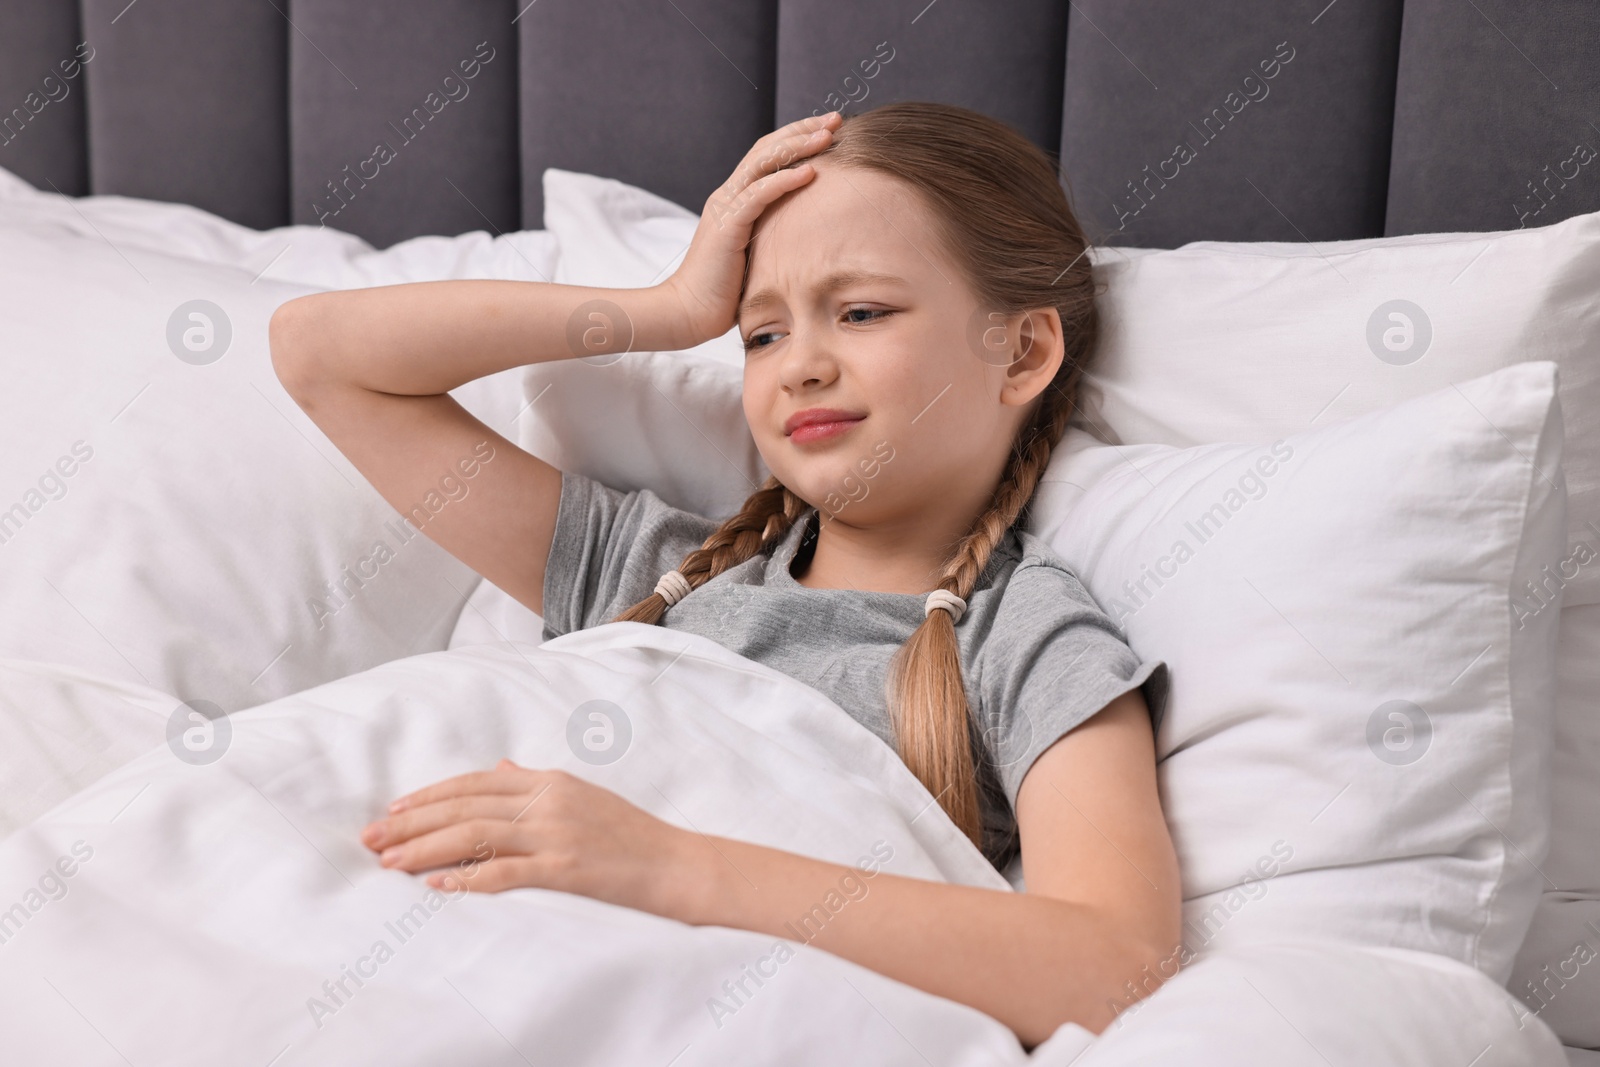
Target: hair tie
<point>673,587</point>
<point>944,600</point>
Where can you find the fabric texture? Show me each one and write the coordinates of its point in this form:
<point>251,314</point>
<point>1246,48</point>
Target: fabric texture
<point>243,881</point>
<point>1038,655</point>
<point>1358,741</point>
<point>1220,342</point>
<point>180,885</point>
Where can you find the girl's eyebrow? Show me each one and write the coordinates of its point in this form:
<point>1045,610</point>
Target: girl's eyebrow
<point>839,279</point>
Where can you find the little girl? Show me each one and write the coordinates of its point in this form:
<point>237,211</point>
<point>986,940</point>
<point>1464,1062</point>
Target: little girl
<point>916,308</point>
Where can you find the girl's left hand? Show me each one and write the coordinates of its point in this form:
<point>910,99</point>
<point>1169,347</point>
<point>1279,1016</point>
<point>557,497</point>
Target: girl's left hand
<point>545,829</point>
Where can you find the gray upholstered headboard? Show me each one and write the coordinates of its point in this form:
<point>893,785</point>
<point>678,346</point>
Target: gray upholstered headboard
<point>1175,120</point>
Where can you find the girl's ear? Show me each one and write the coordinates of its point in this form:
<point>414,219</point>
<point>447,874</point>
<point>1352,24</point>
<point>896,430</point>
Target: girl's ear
<point>1040,348</point>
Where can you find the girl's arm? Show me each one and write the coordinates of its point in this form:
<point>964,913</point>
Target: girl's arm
<point>1097,928</point>
<point>1101,909</point>
<point>372,368</point>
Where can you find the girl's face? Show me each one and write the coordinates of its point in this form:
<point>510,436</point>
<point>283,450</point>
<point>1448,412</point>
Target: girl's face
<point>853,304</point>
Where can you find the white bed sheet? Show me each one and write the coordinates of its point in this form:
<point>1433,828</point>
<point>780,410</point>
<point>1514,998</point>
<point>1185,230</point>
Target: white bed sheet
<point>63,728</point>
<point>216,900</point>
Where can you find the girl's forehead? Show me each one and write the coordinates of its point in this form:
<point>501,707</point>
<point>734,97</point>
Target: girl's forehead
<point>842,204</point>
<point>844,219</point>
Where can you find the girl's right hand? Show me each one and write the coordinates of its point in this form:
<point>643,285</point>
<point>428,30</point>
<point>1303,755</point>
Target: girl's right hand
<point>706,284</point>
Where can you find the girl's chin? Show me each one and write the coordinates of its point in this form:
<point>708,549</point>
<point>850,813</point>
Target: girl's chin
<point>804,484</point>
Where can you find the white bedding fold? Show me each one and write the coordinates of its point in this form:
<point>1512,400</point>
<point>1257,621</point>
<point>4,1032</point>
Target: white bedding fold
<point>227,912</point>
<point>213,911</point>
<point>62,728</point>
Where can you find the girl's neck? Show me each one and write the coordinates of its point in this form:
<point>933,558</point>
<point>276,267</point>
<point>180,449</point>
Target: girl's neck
<point>837,556</point>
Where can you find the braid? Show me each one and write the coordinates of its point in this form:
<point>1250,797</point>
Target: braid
<point>928,702</point>
<point>927,699</point>
<point>764,519</point>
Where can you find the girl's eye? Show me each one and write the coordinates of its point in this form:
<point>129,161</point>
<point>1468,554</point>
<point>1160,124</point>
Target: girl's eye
<point>754,340</point>
<point>854,316</point>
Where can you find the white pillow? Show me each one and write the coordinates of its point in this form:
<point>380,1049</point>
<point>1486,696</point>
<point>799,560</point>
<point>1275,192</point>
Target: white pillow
<point>1357,743</point>
<point>1222,342</point>
<point>311,255</point>
<point>171,523</point>
<point>318,256</point>
<point>1557,974</point>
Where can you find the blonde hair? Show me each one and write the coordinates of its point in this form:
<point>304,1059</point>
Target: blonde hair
<point>1004,215</point>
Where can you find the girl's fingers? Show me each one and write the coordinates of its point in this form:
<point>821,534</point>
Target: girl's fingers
<point>795,141</point>
<point>743,209</point>
<point>787,149</point>
<point>797,130</point>
<point>707,282</point>
<point>416,821</point>
<point>506,778</point>
<point>471,843</point>
<point>493,876</point>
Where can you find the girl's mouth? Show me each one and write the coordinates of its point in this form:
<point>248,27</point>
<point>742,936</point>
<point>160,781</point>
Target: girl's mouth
<point>818,431</point>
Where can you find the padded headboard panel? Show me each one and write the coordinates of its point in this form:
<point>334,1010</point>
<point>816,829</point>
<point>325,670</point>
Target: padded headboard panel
<point>1174,121</point>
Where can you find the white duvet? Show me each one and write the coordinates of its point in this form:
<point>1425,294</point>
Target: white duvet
<point>181,913</point>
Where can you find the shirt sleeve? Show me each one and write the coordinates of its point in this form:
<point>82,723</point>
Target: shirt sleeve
<point>609,550</point>
<point>1053,660</point>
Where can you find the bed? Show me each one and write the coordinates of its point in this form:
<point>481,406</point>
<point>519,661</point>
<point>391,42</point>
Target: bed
<point>1352,263</point>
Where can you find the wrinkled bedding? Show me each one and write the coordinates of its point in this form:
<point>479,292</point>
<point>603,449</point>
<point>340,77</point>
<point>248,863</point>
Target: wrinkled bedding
<point>193,910</point>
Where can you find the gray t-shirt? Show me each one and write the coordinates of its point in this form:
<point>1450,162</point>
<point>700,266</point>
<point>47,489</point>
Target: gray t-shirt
<point>1038,655</point>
